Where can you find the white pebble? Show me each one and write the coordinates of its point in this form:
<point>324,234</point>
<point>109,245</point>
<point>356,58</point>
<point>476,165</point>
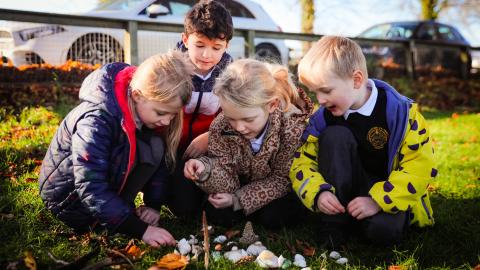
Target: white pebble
<point>334,255</point>
<point>342,260</point>
<point>299,261</point>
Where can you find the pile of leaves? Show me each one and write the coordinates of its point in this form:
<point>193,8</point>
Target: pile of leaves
<point>70,72</point>
<point>442,93</point>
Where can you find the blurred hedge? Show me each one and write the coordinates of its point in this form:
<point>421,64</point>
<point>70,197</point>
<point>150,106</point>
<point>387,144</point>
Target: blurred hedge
<point>48,85</point>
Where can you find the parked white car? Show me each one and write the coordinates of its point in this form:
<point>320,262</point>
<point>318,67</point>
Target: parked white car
<point>28,43</point>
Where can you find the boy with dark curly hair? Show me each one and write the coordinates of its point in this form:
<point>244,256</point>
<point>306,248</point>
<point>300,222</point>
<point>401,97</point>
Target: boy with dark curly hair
<point>208,31</point>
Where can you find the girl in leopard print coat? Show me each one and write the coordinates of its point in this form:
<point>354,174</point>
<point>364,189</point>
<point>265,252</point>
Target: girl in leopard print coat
<point>251,145</point>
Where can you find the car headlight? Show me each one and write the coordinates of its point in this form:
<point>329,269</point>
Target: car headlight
<point>41,31</point>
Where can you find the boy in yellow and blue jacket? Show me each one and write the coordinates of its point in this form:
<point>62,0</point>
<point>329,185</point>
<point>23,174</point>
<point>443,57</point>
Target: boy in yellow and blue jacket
<point>367,157</point>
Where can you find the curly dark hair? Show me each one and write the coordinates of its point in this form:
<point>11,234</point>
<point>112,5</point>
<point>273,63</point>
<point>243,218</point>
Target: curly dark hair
<point>209,18</point>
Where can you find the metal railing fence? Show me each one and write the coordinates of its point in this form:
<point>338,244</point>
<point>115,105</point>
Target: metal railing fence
<point>131,27</point>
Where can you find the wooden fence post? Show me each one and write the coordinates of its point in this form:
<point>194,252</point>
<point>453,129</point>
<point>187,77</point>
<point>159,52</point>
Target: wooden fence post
<point>131,43</point>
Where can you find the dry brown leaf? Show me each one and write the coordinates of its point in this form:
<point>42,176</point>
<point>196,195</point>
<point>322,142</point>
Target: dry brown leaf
<point>308,250</point>
<point>30,180</point>
<point>30,262</point>
<point>172,261</point>
<point>231,233</point>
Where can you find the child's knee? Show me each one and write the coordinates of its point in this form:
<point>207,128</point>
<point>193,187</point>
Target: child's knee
<point>383,233</point>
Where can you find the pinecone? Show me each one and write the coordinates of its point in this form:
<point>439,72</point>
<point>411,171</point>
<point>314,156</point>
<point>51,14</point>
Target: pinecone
<point>248,236</point>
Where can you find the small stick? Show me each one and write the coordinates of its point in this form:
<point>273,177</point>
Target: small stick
<point>206,241</point>
<point>121,255</point>
<point>58,261</point>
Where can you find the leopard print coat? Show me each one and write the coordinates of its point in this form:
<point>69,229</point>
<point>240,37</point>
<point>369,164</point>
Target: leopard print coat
<point>255,179</point>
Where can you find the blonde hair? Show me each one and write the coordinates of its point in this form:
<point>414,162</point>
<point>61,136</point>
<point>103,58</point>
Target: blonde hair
<point>164,77</point>
<point>339,55</point>
<point>251,83</point>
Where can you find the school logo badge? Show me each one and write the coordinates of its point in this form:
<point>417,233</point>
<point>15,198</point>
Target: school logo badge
<point>377,137</point>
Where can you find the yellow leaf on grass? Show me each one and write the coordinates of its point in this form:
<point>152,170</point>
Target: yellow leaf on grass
<point>30,261</point>
<point>172,261</point>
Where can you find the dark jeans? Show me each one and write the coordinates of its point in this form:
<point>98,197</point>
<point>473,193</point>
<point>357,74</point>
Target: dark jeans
<point>285,211</point>
<point>339,163</point>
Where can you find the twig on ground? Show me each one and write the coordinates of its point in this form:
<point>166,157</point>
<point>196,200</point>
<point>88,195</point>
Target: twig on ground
<point>121,255</point>
<point>105,263</point>
<point>57,261</point>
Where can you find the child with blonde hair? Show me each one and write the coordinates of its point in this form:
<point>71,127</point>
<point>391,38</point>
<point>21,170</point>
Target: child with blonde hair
<point>121,139</point>
<point>367,156</point>
<point>251,145</point>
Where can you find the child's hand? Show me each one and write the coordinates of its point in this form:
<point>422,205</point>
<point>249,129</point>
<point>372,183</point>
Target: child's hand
<point>198,147</point>
<point>193,168</point>
<point>221,200</point>
<point>328,204</point>
<point>148,215</point>
<point>157,237</point>
<point>363,207</point>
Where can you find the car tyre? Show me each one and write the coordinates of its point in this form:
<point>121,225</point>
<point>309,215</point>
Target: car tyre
<point>96,48</point>
<point>267,52</point>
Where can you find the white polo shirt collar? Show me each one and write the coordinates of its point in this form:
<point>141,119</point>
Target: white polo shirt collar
<point>368,107</point>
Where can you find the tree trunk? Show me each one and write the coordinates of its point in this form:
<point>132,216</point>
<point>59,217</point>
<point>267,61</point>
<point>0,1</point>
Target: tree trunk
<point>431,8</point>
<point>308,19</point>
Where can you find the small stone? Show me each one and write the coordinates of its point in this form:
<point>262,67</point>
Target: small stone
<point>342,260</point>
<point>334,255</point>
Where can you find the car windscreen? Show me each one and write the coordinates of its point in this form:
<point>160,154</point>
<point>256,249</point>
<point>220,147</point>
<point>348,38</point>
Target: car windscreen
<point>118,5</point>
<point>390,31</point>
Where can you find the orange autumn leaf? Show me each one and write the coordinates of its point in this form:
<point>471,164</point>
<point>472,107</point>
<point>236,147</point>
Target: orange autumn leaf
<point>473,139</point>
<point>172,261</point>
<point>454,115</point>
<point>133,251</point>
<point>477,267</point>
<point>30,262</point>
<point>308,251</point>
<point>395,267</point>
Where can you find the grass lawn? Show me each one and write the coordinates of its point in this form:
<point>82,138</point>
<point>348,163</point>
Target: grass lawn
<point>453,243</point>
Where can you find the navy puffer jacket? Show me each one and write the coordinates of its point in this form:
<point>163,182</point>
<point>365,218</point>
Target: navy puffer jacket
<point>91,154</point>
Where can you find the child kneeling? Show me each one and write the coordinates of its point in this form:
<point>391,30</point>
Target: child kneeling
<point>120,140</point>
<point>367,156</point>
<point>251,146</point>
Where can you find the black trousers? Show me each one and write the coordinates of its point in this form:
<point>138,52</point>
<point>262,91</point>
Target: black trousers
<point>340,164</point>
<point>285,211</point>
<point>185,200</point>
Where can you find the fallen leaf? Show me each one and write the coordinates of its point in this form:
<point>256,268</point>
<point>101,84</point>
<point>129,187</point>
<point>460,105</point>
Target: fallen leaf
<point>30,262</point>
<point>473,139</point>
<point>395,267</point>
<point>454,115</point>
<point>30,180</point>
<point>308,251</point>
<point>172,261</point>
<point>477,267</point>
<point>231,233</point>
<point>37,162</point>
<point>133,251</point>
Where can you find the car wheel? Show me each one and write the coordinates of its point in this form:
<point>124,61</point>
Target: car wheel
<point>96,48</point>
<point>267,52</point>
